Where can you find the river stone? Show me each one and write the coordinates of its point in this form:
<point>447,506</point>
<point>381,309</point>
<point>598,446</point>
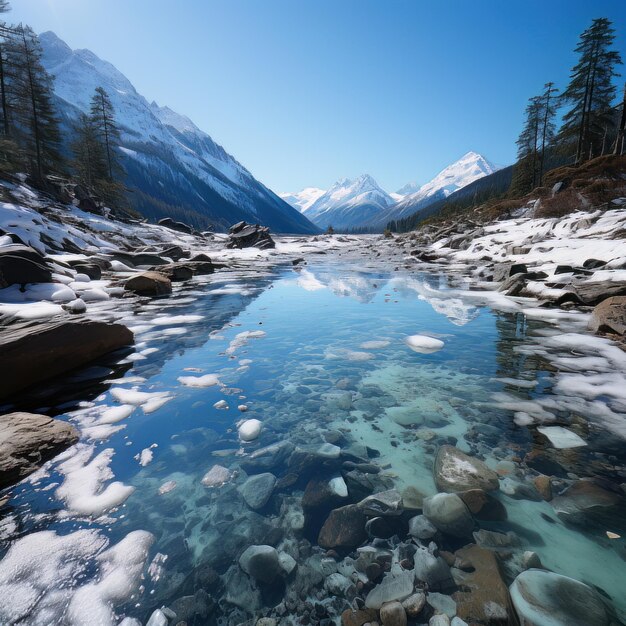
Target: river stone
<point>31,352</point>
<point>432,570</point>
<point>609,316</point>
<point>393,614</point>
<point>544,598</point>
<point>483,506</point>
<point>396,585</point>
<point>585,497</point>
<point>257,490</point>
<point>442,603</point>
<point>456,471</point>
<point>344,528</point>
<point>414,604</point>
<point>323,493</point>
<point>269,457</point>
<point>149,284</point>
<point>383,503</point>
<point>249,430</point>
<point>439,620</point>
<point>217,476</point>
<point>449,514</point>
<point>421,528</point>
<point>483,596</point>
<point>27,441</point>
<point>260,562</point>
<point>359,617</point>
<point>20,265</point>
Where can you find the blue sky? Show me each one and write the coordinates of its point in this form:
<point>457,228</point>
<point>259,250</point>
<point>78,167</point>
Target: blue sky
<point>304,92</point>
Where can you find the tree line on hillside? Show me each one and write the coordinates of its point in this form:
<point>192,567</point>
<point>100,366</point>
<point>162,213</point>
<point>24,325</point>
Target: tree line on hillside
<point>31,137</point>
<point>592,124</point>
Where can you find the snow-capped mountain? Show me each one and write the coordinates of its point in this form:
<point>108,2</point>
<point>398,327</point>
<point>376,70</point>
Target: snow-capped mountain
<point>349,203</point>
<point>173,168</point>
<point>466,170</point>
<point>303,200</point>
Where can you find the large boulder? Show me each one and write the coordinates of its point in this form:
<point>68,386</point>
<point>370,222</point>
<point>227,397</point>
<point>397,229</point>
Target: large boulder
<point>483,596</point>
<point>257,490</point>
<point>27,441</point>
<point>244,235</point>
<point>456,471</point>
<point>609,316</point>
<point>33,352</point>
<point>585,499</point>
<point>20,265</point>
<point>176,272</point>
<point>593,293</point>
<point>544,598</point>
<point>149,284</point>
<point>344,528</point>
<point>449,514</point>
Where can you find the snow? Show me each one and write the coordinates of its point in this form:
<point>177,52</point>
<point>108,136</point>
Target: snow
<point>424,344</point>
<point>242,338</point>
<point>303,200</point>
<point>208,380</point>
<point>83,489</point>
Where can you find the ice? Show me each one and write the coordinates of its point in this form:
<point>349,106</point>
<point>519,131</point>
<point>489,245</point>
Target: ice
<point>242,338</point>
<point>83,489</point>
<point>561,438</point>
<point>208,380</point>
<point>149,402</point>
<point>309,282</point>
<point>249,430</point>
<point>145,457</point>
<point>31,311</point>
<point>375,344</point>
<point>424,344</point>
<point>172,320</point>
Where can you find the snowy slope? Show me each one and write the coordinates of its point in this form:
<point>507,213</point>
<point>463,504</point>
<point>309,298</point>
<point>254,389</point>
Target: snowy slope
<point>349,203</point>
<point>302,200</point>
<point>466,170</point>
<point>174,167</point>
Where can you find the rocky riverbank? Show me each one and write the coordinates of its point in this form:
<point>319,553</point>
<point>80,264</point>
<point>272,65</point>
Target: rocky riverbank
<point>334,496</point>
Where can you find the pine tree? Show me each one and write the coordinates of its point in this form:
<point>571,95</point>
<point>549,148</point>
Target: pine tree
<point>37,128</point>
<point>618,148</point>
<point>591,90</point>
<point>5,31</point>
<point>525,175</point>
<point>89,162</point>
<point>103,119</point>
<point>548,105</point>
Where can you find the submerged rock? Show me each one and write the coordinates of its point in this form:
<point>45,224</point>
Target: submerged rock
<point>449,514</point>
<point>548,599</point>
<point>261,562</point>
<point>32,352</point>
<point>27,441</point>
<point>585,497</point>
<point>393,614</point>
<point>414,604</point>
<point>359,617</point>
<point>257,490</point>
<point>217,476</point>
<point>456,471</point>
<point>149,284</point>
<point>344,528</point>
<point>421,528</point>
<point>483,596</point>
<point>431,570</point>
<point>396,585</point>
<point>249,430</point>
<point>383,503</point>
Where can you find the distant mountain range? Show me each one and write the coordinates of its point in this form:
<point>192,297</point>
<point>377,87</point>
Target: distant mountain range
<point>361,202</point>
<point>172,167</point>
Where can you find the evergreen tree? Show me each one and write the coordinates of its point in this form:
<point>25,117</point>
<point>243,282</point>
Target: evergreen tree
<point>548,105</point>
<point>90,164</point>
<point>103,119</point>
<point>5,31</point>
<point>591,90</point>
<point>618,148</point>
<point>37,128</point>
<point>525,176</point>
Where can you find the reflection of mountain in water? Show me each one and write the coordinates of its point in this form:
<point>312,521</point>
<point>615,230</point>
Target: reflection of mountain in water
<point>435,291</point>
<point>216,309</point>
<point>360,286</point>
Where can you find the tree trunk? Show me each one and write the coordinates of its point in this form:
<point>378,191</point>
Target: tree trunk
<point>5,108</point>
<point>33,102</point>
<point>620,131</point>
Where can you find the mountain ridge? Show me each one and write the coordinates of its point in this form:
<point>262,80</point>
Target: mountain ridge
<point>173,168</point>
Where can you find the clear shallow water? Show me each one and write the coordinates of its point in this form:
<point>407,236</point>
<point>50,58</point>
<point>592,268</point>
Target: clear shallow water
<point>312,372</point>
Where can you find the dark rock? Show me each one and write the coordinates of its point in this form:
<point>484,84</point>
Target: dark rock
<point>261,562</point>
<point>449,514</point>
<point>593,264</point>
<point>20,265</point>
<point>568,269</point>
<point>344,528</point>
<point>149,284</point>
<point>358,618</point>
<point>384,503</point>
<point>176,253</point>
<point>27,441</point>
<point>586,498</point>
<point>168,222</point>
<point>483,506</point>
<point>176,272</point>
<point>134,259</point>
<point>92,270</point>
<point>609,316</point>
<point>268,458</point>
<point>318,494</point>
<point>243,235</point>
<point>34,352</point>
<point>201,268</point>
<point>592,293</point>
